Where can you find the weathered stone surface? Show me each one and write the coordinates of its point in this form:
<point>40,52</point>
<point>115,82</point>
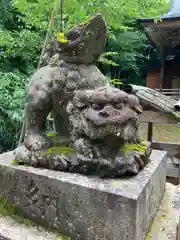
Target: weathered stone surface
<point>104,137</point>
<point>101,122</point>
<point>84,207</point>
<point>12,230</point>
<point>165,223</point>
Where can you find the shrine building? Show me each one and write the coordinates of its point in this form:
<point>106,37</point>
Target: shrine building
<point>164,34</point>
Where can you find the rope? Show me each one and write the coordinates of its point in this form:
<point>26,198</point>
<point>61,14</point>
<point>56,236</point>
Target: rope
<point>48,31</point>
<point>22,135</point>
<point>61,15</point>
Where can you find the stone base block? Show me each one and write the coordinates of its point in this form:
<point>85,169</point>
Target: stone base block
<point>87,208</point>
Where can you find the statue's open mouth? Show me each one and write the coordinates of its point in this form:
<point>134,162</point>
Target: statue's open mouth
<point>110,122</point>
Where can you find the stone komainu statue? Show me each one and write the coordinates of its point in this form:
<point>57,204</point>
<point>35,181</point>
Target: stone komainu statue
<point>100,123</point>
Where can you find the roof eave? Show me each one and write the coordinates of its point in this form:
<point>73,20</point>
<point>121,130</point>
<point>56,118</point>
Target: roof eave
<point>150,20</point>
<point>151,41</point>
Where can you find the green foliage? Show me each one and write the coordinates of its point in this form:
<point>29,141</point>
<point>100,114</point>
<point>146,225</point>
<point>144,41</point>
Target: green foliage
<point>105,61</point>
<point>33,16</point>
<point>8,209</point>
<point>23,28</point>
<point>12,99</point>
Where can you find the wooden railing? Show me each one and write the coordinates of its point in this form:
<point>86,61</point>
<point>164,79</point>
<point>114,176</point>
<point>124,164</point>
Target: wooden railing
<point>173,170</point>
<point>150,128</point>
<point>173,93</point>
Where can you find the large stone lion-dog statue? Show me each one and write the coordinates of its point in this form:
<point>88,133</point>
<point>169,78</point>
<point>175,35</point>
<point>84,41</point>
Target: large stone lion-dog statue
<point>100,123</point>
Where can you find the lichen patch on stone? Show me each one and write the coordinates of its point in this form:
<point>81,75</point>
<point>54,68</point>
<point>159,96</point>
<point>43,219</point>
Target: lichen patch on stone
<point>52,134</point>
<point>14,162</point>
<point>57,150</point>
<point>136,147</point>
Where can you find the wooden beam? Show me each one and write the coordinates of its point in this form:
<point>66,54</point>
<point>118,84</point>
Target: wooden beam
<point>162,58</point>
<point>164,124</point>
<point>165,24</point>
<point>172,170</point>
<point>165,146</point>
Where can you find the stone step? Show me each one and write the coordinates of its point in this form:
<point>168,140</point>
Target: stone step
<point>10,229</point>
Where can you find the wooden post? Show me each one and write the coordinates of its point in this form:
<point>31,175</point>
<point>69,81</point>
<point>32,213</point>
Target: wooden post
<point>150,132</point>
<point>162,58</point>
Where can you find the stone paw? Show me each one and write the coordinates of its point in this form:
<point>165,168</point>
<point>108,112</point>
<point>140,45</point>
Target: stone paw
<point>136,156</point>
<point>37,142</point>
<point>23,156</point>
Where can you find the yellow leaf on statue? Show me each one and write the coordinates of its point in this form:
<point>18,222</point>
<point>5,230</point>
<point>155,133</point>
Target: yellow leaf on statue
<point>14,162</point>
<point>61,38</point>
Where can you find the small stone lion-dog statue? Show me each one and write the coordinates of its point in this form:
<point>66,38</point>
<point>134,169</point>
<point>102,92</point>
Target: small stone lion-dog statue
<point>99,122</point>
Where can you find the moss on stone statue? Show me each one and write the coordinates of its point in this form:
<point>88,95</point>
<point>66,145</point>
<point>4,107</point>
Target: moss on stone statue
<point>54,150</point>
<point>59,146</point>
<point>60,237</point>
<point>14,162</point>
<point>143,147</point>
<point>52,134</point>
<point>58,140</point>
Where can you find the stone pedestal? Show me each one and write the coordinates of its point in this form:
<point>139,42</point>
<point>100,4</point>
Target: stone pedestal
<point>87,208</point>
